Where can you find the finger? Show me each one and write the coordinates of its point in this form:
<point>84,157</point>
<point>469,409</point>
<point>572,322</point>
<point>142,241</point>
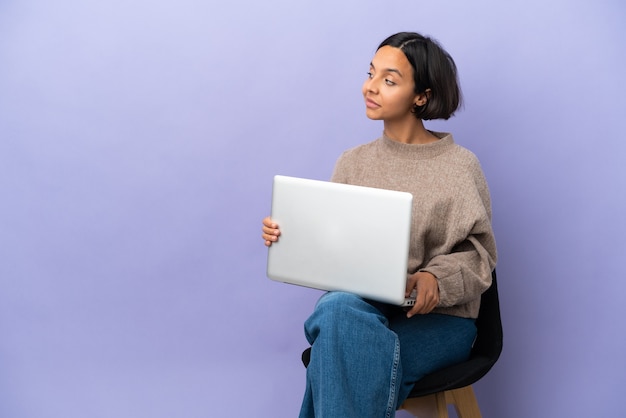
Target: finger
<point>411,288</point>
<point>269,223</point>
<point>269,231</point>
<point>417,308</point>
<point>424,303</point>
<point>269,237</point>
<point>429,304</point>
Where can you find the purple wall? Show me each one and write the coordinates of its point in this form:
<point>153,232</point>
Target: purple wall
<point>137,145</point>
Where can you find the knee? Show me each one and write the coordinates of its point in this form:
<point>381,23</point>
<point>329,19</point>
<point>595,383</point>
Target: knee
<point>338,300</point>
<point>339,314</point>
<point>333,314</point>
<point>337,308</point>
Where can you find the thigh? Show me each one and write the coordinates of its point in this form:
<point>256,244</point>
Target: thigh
<point>431,342</point>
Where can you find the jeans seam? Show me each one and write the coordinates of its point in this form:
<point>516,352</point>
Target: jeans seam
<point>391,405</point>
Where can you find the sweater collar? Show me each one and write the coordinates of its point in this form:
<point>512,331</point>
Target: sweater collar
<point>418,151</point>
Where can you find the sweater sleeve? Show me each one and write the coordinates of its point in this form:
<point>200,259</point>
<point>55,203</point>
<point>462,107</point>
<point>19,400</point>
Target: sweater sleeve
<point>464,273</point>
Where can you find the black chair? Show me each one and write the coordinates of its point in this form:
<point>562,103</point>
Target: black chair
<point>452,385</point>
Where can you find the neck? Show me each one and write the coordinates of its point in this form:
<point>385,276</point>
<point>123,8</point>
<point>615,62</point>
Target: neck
<point>409,132</point>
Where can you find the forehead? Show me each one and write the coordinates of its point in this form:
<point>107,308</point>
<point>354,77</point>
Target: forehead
<point>391,58</point>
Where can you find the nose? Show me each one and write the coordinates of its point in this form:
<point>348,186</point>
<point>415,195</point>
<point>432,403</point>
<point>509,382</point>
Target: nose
<point>369,86</point>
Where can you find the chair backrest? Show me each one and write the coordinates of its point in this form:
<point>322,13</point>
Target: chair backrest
<point>489,338</point>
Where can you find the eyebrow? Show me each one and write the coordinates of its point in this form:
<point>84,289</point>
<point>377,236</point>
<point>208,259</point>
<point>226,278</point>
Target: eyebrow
<point>389,70</point>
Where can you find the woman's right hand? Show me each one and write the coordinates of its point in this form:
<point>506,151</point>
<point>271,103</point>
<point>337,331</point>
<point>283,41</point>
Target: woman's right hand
<point>270,231</point>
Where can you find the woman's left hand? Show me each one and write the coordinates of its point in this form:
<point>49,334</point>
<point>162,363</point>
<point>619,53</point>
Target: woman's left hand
<point>427,292</point>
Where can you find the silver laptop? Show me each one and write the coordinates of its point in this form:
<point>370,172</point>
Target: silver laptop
<point>341,237</point>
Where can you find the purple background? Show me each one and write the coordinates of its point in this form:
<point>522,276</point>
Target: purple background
<point>138,140</point>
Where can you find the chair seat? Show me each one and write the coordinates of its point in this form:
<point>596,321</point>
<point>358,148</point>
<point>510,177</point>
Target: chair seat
<point>453,377</point>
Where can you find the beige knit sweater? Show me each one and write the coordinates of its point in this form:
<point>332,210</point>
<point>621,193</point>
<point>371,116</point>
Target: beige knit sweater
<point>451,234</point>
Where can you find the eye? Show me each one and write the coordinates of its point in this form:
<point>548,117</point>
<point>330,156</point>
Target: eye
<point>369,74</point>
<point>389,82</point>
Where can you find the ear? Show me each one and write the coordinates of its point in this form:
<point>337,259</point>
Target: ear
<point>422,98</point>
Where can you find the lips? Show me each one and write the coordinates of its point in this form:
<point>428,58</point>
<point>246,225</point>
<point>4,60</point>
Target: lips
<point>371,104</point>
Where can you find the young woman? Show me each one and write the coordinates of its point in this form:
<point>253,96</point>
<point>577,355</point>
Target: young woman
<point>366,355</point>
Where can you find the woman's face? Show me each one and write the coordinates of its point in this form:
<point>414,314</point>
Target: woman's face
<point>389,89</point>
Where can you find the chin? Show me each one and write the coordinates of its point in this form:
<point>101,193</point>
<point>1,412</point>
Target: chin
<point>372,115</point>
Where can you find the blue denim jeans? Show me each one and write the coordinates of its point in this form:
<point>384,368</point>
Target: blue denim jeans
<point>366,356</point>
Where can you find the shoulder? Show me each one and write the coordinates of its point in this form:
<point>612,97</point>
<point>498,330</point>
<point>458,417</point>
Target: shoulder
<point>469,173</point>
<point>360,151</point>
<point>464,156</point>
<point>461,167</point>
<point>353,160</point>
<point>462,159</point>
<point>361,154</point>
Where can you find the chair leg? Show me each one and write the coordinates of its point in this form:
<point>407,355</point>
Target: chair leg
<point>464,402</point>
<point>431,406</point>
<point>436,405</point>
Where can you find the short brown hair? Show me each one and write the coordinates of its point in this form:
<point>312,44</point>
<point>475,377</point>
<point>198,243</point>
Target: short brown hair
<point>434,69</point>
